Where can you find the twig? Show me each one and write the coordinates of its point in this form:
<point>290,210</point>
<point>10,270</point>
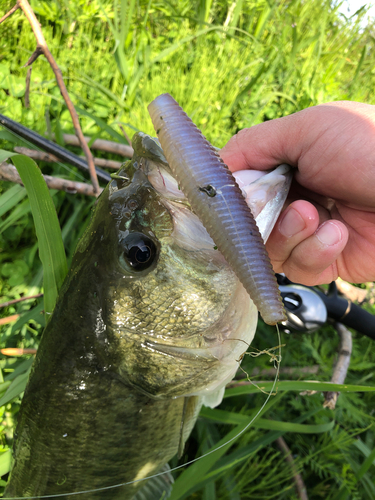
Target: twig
<point>42,156</point>
<point>102,145</point>
<point>300,485</point>
<point>9,173</point>
<point>14,351</point>
<point>42,48</point>
<point>125,135</point>
<point>284,370</point>
<point>12,10</point>
<point>15,301</point>
<point>27,91</point>
<point>9,319</point>
<point>351,292</point>
<point>241,383</point>
<point>342,365</point>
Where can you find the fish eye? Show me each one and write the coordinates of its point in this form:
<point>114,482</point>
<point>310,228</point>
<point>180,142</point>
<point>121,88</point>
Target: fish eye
<point>138,251</point>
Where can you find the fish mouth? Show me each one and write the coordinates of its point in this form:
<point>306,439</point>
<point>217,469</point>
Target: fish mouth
<point>230,335</point>
<point>223,341</point>
<point>209,361</point>
<point>207,347</point>
<point>265,193</point>
<point>191,354</point>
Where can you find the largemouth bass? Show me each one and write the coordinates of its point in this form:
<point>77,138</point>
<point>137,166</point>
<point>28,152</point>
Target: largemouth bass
<point>150,324</point>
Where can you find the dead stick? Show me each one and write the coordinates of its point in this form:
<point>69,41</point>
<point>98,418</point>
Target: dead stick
<point>241,383</point>
<point>342,365</point>
<point>27,91</point>
<point>284,370</point>
<point>14,351</point>
<point>351,292</point>
<point>12,10</point>
<point>9,173</point>
<point>15,301</point>
<point>102,145</point>
<point>126,135</point>
<point>300,485</point>
<point>9,319</point>
<point>42,47</point>
<point>48,157</point>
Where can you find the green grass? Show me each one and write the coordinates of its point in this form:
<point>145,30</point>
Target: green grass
<point>230,65</point>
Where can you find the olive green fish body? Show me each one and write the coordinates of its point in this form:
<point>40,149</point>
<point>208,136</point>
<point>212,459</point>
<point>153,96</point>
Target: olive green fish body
<point>83,425</point>
<point>150,323</point>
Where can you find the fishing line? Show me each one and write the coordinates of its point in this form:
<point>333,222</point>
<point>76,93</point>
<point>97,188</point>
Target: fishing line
<point>105,488</point>
<point>36,148</point>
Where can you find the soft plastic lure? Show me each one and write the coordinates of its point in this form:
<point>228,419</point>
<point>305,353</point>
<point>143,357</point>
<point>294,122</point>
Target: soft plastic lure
<point>217,200</point>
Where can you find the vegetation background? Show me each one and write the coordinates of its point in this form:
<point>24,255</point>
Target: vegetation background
<point>230,64</point>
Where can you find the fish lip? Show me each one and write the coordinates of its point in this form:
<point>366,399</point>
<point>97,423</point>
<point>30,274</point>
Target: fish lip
<point>187,353</point>
<point>223,341</point>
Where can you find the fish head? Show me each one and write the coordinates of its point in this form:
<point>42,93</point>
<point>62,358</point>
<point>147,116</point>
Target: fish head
<point>175,318</point>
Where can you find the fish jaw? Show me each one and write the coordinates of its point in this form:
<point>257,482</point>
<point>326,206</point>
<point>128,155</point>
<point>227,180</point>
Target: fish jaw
<point>265,193</point>
<point>210,319</point>
<point>181,327</point>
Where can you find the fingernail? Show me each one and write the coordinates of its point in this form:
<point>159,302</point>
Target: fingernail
<point>329,234</point>
<point>292,223</point>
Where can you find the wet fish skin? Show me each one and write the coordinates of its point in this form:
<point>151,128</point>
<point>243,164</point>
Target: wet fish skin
<point>80,416</point>
<point>129,356</point>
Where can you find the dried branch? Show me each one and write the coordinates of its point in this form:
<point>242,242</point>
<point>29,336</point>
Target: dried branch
<point>12,10</point>
<point>126,135</point>
<point>284,370</point>
<point>43,48</point>
<point>48,157</point>
<point>34,56</point>
<point>351,292</point>
<point>9,319</point>
<point>27,91</point>
<point>15,301</point>
<point>9,173</point>
<point>241,383</point>
<point>342,365</point>
<point>300,485</point>
<point>102,145</point>
<point>14,351</point>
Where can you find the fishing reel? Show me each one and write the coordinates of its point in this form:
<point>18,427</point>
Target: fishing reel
<point>308,308</point>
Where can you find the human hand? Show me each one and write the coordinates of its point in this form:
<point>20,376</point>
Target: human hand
<point>328,230</point>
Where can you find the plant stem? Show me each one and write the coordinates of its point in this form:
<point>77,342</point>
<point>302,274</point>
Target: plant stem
<point>42,48</point>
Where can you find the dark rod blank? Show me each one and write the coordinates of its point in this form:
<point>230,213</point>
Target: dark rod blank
<point>50,147</point>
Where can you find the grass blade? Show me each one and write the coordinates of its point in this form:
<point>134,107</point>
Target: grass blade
<point>15,215</point>
<point>17,386</point>
<point>51,248</point>
<point>5,462</point>
<point>228,417</point>
<point>193,474</point>
<point>366,465</point>
<point>289,385</point>
<point>11,197</point>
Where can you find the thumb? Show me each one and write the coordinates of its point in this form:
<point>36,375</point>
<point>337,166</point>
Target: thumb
<point>265,145</point>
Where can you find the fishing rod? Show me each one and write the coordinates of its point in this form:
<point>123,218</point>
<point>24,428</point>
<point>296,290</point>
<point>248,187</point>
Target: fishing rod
<point>308,308</point>
<point>51,147</point>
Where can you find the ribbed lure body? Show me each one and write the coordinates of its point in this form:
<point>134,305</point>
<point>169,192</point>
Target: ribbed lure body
<point>216,198</point>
